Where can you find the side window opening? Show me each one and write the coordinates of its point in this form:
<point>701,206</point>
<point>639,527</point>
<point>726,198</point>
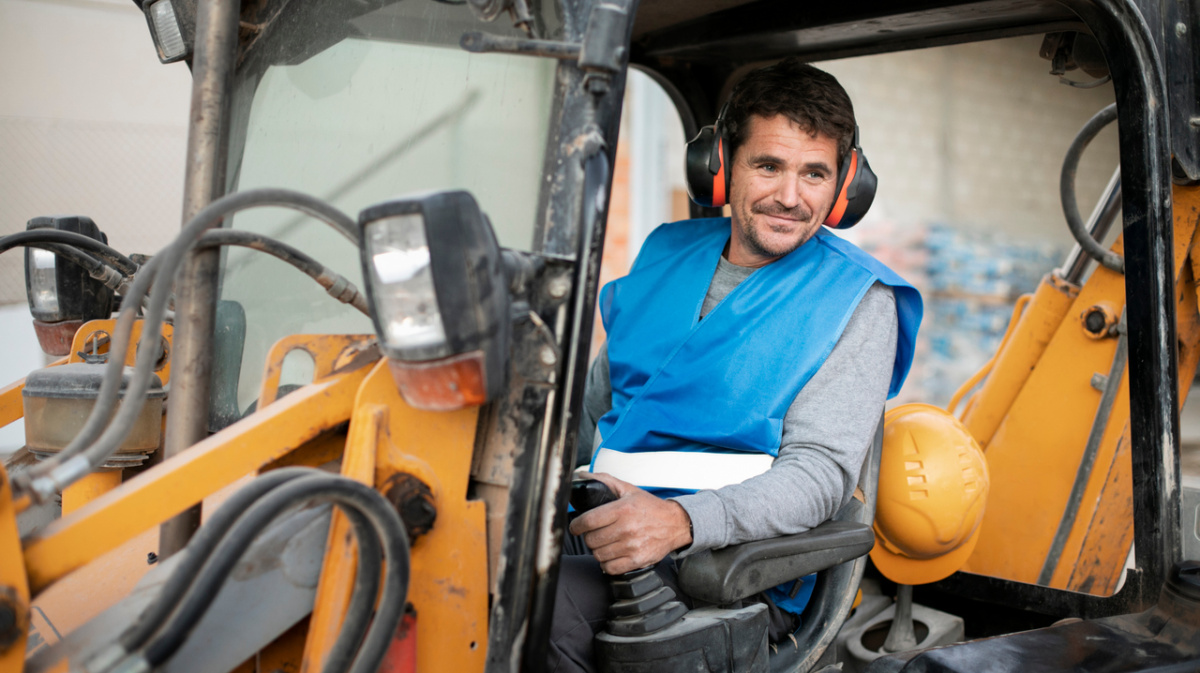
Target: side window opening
<point>968,142</point>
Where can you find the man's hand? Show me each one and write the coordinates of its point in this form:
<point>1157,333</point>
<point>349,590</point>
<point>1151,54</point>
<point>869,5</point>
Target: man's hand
<point>635,531</point>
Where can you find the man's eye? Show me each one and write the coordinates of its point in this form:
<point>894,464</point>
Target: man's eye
<point>816,175</point>
<point>770,168</point>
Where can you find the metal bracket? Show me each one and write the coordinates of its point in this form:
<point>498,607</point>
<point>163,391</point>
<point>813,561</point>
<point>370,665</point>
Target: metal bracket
<point>600,55</point>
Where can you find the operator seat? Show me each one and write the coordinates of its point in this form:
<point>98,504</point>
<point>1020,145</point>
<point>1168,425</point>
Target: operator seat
<point>836,550</point>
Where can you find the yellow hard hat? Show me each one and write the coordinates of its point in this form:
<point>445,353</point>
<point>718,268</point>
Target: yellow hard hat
<point>933,484</point>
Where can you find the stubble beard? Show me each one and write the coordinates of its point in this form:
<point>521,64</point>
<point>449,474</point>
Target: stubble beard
<point>758,246</point>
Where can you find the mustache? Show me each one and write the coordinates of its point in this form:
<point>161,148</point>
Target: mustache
<point>777,210</point>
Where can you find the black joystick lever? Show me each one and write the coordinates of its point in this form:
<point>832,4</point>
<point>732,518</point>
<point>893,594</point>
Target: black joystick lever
<point>641,602</point>
<point>588,494</point>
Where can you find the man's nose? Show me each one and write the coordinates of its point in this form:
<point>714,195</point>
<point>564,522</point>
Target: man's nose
<point>788,193</point>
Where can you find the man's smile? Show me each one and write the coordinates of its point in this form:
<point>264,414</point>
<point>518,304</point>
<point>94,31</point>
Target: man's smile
<point>782,220</point>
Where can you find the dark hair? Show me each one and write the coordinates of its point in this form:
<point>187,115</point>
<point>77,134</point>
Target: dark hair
<point>812,98</point>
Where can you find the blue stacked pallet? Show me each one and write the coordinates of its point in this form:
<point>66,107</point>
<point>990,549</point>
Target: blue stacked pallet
<point>973,282</point>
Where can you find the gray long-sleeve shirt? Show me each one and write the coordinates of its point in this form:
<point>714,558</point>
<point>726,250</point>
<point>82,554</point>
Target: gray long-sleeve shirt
<point>826,431</point>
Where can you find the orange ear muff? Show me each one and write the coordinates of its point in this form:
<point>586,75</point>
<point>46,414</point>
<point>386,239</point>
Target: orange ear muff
<point>849,168</point>
<point>855,190</point>
<point>720,181</point>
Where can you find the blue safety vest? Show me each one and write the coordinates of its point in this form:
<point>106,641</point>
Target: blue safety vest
<point>719,388</point>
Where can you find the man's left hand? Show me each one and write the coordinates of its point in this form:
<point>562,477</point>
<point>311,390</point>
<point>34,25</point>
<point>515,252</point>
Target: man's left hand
<point>635,531</point>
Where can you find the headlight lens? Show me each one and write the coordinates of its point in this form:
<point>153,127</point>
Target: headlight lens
<point>43,282</point>
<point>402,283</point>
<point>167,34</point>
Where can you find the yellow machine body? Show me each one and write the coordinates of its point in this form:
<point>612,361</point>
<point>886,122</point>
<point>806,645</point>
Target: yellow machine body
<point>1034,412</point>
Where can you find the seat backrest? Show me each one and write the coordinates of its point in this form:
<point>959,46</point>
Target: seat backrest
<point>833,595</point>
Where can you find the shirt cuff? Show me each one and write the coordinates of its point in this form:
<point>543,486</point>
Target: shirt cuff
<point>707,513</point>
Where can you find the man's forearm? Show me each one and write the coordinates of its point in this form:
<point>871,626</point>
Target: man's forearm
<point>798,493</point>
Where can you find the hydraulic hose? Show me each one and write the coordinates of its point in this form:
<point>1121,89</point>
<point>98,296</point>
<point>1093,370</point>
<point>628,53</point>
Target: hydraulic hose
<point>335,284</point>
<point>87,451</point>
<point>359,610</point>
<point>109,255</point>
<point>101,271</point>
<point>362,598</point>
<point>348,494</point>
<point>199,549</point>
<point>77,257</point>
<point>72,246</point>
<point>1066,188</point>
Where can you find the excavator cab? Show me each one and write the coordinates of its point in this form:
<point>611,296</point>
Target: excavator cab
<point>398,428</point>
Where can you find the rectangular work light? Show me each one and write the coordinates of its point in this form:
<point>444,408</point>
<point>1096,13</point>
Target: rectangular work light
<point>172,25</point>
<point>62,295</point>
<point>439,299</point>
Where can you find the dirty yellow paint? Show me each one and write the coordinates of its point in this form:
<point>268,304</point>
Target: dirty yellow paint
<point>1094,564</point>
<point>14,585</point>
<point>88,489</point>
<point>339,569</point>
<point>1036,450</point>
<point>448,585</point>
<point>94,330</point>
<point>86,593</point>
<point>331,353</point>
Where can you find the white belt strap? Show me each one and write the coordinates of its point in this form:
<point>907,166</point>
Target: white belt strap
<point>688,470</point>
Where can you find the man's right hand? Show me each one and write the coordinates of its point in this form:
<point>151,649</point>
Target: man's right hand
<point>635,531</point>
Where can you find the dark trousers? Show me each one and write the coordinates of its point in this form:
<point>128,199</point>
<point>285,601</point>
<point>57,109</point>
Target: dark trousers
<point>581,608</point>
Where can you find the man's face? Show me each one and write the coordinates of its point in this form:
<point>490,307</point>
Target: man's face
<point>781,189</point>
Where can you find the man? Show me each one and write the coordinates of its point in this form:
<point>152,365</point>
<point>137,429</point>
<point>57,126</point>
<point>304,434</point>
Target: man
<point>747,365</point>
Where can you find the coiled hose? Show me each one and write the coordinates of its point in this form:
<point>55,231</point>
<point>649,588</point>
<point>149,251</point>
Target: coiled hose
<point>164,626</point>
<point>100,437</point>
<point>1066,188</point>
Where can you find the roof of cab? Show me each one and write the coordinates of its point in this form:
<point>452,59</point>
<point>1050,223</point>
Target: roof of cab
<point>749,30</point>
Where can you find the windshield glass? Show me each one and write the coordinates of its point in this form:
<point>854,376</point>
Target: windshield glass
<point>359,108</point>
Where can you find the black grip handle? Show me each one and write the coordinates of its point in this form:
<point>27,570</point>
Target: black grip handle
<point>589,494</point>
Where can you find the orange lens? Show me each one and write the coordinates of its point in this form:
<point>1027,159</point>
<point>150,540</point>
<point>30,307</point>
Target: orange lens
<point>55,337</point>
<point>442,385</point>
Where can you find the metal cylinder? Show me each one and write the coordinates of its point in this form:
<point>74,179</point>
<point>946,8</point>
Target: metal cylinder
<point>1098,224</point>
<point>195,305</point>
<point>1020,354</point>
